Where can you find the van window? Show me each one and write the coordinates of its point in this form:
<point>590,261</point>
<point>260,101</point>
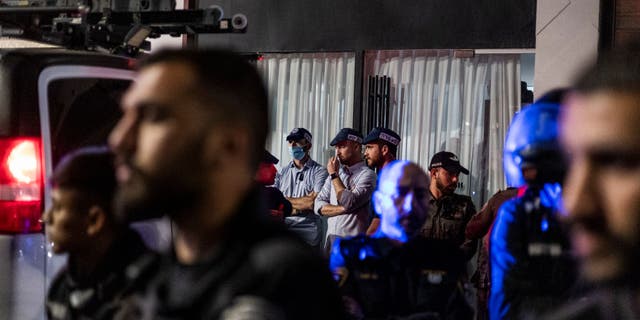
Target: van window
<point>82,111</point>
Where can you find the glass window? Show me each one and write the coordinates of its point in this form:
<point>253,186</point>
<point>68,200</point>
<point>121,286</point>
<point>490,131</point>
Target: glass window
<point>82,111</point>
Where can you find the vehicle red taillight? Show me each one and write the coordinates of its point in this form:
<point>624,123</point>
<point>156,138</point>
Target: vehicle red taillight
<point>20,185</point>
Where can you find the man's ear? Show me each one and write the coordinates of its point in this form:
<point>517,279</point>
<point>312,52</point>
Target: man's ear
<point>225,142</point>
<point>357,146</point>
<point>308,147</point>
<point>384,150</point>
<point>96,220</point>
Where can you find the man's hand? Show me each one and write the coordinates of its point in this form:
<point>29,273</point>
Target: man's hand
<point>333,165</point>
<point>302,203</point>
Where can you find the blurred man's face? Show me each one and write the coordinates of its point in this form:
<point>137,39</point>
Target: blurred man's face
<point>159,144</point>
<point>446,181</point>
<point>66,222</point>
<point>348,152</point>
<point>373,155</point>
<point>402,199</point>
<point>601,134</point>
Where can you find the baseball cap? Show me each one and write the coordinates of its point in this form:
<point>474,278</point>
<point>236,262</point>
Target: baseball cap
<point>267,157</point>
<point>447,160</point>
<point>383,134</point>
<point>347,134</point>
<point>299,133</point>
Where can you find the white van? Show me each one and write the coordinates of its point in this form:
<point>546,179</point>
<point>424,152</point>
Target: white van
<point>52,100</point>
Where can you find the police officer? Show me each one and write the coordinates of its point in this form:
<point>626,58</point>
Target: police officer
<point>300,181</point>
<point>81,223</point>
<point>397,273</point>
<point>346,194</point>
<point>531,266</point>
<point>380,148</point>
<point>449,212</point>
<point>600,133</point>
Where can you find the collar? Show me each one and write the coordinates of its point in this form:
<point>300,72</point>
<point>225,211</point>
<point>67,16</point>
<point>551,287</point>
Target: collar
<point>444,196</point>
<point>347,170</point>
<point>307,165</point>
<point>355,167</point>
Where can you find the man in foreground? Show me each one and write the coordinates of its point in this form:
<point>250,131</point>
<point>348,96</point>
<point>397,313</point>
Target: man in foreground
<point>532,269</point>
<point>188,146</point>
<point>601,135</point>
<point>396,273</point>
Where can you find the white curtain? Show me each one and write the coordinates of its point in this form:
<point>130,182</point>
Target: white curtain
<point>310,90</point>
<point>463,105</point>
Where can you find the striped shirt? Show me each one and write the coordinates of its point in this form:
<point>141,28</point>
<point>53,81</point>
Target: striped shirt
<point>360,182</point>
<point>295,183</point>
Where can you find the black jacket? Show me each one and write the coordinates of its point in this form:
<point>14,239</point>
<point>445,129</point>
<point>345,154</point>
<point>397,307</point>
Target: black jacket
<point>101,296</point>
<point>258,271</point>
<point>532,269</point>
<point>417,280</point>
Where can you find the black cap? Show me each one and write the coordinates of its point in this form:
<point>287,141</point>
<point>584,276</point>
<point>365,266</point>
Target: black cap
<point>267,157</point>
<point>347,134</point>
<point>384,134</point>
<point>448,161</point>
<point>299,133</point>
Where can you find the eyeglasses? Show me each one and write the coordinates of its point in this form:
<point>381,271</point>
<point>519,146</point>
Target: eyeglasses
<point>300,176</point>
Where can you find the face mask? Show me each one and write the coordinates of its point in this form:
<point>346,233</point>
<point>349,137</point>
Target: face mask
<point>296,152</point>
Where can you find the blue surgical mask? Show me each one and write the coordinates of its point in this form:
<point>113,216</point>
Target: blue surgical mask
<point>296,152</point>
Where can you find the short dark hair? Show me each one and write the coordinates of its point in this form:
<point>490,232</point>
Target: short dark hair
<point>392,148</point>
<point>617,70</point>
<point>232,83</point>
<point>89,171</point>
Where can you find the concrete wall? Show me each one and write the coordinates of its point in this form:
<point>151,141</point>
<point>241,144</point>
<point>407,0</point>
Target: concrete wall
<point>566,41</point>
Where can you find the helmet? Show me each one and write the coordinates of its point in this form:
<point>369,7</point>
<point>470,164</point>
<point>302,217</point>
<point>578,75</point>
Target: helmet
<point>532,142</point>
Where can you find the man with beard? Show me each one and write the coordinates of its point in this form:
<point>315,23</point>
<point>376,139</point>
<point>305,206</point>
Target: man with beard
<point>449,212</point>
<point>380,148</point>
<point>397,273</point>
<point>601,136</point>
<point>300,181</point>
<point>345,196</point>
<point>188,146</point>
<point>81,223</point>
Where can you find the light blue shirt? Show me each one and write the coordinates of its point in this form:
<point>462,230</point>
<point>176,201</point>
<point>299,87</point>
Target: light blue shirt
<point>296,182</point>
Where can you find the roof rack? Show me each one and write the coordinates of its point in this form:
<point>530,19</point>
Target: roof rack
<point>118,32</point>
